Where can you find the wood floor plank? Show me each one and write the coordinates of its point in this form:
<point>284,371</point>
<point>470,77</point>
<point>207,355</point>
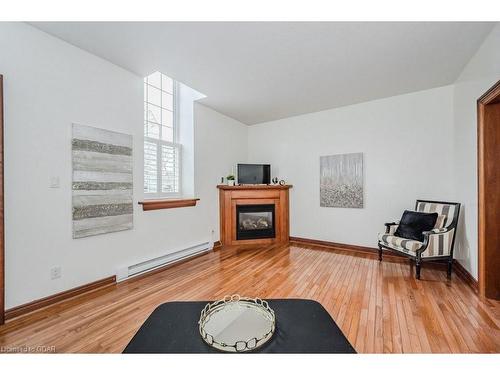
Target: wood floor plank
<point>379,306</point>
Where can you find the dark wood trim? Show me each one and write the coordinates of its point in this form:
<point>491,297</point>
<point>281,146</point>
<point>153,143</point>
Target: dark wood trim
<point>250,187</point>
<point>466,276</point>
<point>492,95</point>
<point>459,269</point>
<point>480,197</point>
<point>161,204</point>
<point>2,235</point>
<point>91,287</point>
<point>487,190</point>
<point>379,307</point>
<point>50,300</point>
<point>341,246</point>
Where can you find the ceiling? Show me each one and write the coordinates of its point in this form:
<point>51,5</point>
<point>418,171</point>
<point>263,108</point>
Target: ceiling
<point>261,71</point>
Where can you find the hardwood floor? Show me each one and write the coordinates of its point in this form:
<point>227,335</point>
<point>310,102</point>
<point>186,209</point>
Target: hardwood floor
<point>380,307</point>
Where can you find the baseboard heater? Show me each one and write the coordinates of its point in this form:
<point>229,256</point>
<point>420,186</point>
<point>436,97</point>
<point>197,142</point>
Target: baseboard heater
<point>151,264</point>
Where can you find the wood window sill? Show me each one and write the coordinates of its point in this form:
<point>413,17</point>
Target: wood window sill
<point>161,204</point>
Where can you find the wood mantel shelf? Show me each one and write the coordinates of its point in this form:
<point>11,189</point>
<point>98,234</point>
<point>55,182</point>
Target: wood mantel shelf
<point>160,204</point>
<point>230,197</point>
<point>253,187</point>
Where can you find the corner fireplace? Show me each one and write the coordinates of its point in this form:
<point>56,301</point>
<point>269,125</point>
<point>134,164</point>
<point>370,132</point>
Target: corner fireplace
<point>255,221</point>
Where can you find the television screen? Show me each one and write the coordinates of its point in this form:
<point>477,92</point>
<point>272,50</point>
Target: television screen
<point>254,174</point>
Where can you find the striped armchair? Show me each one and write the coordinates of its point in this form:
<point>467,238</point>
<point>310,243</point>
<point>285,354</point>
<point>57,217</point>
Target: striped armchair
<point>438,243</point>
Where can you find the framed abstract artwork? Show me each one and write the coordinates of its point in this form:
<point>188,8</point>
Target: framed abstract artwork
<point>341,180</point>
<point>102,181</point>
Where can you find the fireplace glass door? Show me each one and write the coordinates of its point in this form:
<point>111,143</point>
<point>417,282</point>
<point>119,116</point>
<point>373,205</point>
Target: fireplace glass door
<point>255,221</point>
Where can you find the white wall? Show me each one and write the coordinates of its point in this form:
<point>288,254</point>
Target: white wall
<point>407,142</point>
<point>220,143</point>
<point>398,168</point>
<point>482,72</point>
<point>49,85</point>
<point>187,96</point>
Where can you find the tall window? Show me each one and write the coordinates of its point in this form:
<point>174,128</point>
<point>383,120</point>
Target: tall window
<point>161,147</point>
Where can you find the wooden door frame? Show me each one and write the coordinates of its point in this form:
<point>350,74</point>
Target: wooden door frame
<point>491,96</point>
<point>2,242</point>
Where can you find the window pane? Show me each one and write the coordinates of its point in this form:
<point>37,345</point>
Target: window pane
<point>167,101</point>
<point>161,161</point>
<point>169,169</point>
<point>155,79</point>
<point>152,130</point>
<point>154,96</point>
<point>167,84</point>
<point>167,118</point>
<point>154,114</point>
<point>150,168</point>
<point>167,133</point>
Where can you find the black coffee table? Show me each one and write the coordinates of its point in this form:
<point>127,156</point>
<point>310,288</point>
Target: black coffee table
<point>302,326</point>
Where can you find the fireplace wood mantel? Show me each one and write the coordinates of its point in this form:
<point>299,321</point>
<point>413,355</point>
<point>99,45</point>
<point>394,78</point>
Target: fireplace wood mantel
<point>231,196</point>
<point>254,187</point>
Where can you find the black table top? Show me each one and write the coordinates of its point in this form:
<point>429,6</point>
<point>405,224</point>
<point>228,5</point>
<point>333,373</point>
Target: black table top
<point>302,326</point>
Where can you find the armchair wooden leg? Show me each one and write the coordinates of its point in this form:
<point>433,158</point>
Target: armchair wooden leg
<point>417,267</point>
<point>450,266</point>
<point>379,253</point>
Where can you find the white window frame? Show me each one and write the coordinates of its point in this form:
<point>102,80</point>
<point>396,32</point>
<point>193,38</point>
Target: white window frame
<point>159,143</point>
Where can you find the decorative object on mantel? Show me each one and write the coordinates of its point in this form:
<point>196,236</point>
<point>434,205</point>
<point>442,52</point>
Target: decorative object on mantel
<point>341,181</point>
<point>275,180</point>
<point>237,324</point>
<point>230,180</point>
<point>102,181</point>
<point>282,182</point>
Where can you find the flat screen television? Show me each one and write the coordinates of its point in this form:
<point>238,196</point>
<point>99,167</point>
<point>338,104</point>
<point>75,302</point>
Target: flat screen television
<point>254,174</point>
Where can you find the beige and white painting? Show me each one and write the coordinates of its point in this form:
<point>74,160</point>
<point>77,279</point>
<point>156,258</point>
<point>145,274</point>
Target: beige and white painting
<point>102,181</point>
<point>341,180</point>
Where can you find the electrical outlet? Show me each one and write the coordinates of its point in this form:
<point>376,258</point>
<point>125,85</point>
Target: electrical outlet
<point>55,273</point>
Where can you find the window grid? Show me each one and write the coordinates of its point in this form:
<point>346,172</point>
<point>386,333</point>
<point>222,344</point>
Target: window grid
<point>161,150</point>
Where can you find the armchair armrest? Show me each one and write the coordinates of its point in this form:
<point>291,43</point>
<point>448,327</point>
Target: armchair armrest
<point>389,225</point>
<point>427,236</point>
<point>435,231</point>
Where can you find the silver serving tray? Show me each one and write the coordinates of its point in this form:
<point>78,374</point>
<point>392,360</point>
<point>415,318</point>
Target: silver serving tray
<point>237,324</point>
